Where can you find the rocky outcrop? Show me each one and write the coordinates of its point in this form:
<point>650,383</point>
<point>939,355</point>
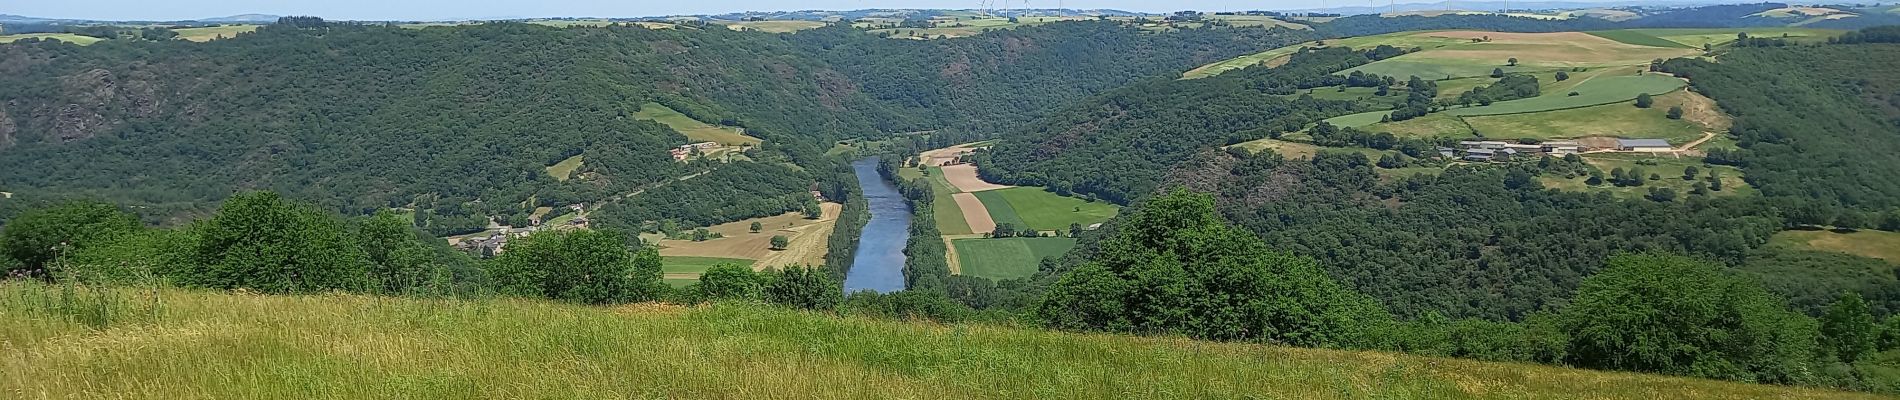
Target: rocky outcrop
<point>96,99</point>
<point>7,129</point>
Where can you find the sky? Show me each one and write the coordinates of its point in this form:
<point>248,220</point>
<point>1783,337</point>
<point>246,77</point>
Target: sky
<point>494,9</point>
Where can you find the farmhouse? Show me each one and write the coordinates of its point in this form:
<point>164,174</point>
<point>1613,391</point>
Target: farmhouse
<point>1561,148</point>
<point>684,151</point>
<point>1481,154</point>
<point>1644,145</point>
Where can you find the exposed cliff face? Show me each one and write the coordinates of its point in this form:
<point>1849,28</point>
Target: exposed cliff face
<point>7,128</point>
<point>97,99</point>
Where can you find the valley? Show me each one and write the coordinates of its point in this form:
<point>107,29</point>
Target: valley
<point>1544,200</point>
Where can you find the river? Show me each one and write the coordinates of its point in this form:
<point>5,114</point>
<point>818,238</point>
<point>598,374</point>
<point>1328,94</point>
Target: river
<point>879,263</point>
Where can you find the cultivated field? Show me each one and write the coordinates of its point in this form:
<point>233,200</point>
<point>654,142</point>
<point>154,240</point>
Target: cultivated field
<point>1008,258</point>
<point>1696,38</point>
<point>694,129</point>
<point>976,215</point>
<point>1534,51</point>
<point>1864,243</point>
<point>63,37</point>
<point>200,344</point>
<point>950,217</point>
<point>210,33</point>
<point>772,26</point>
<point>964,178</point>
<point>1402,40</point>
<point>563,170</point>
<point>808,240</point>
<point>1044,211</point>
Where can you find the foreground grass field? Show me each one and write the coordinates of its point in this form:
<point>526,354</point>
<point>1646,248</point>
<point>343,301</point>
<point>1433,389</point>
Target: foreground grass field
<point>1009,258</point>
<point>173,344</point>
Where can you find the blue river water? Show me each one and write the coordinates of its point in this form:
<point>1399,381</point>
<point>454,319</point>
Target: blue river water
<point>879,263</point>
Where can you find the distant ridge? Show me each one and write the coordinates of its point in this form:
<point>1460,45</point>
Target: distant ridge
<point>244,18</point>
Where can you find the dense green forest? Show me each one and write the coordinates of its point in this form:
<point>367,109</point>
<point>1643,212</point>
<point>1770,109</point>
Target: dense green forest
<point>458,122</point>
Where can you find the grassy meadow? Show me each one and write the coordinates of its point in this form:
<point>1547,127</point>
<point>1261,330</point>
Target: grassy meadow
<point>1696,38</point>
<point>63,37</point>
<point>1609,120</point>
<point>697,265</point>
<point>694,130</point>
<point>177,344</point>
<point>563,170</point>
<point>773,26</point>
<point>1008,258</point>
<point>1041,210</point>
<point>1864,243</point>
<point>1669,168</point>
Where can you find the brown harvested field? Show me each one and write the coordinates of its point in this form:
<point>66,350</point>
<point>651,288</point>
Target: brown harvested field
<point>1547,49</point>
<point>947,155</point>
<point>974,212</point>
<point>965,179</point>
<point>808,240</point>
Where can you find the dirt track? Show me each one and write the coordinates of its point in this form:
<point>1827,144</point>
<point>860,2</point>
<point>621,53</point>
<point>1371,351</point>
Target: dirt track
<point>975,213</point>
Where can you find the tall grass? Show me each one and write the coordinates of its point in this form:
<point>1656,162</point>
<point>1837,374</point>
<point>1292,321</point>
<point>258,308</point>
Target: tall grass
<point>198,344</point>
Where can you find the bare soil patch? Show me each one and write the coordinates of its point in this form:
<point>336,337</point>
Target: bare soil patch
<point>945,156</point>
<point>965,179</point>
<point>974,212</point>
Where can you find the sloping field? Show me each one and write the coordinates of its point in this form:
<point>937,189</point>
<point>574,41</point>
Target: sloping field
<point>1401,39</point>
<point>1601,90</point>
<point>63,37</point>
<point>210,33</point>
<point>1044,211</point>
<point>965,179</point>
<point>976,215</point>
<point>1009,258</point>
<point>739,241</point>
<point>1720,36</point>
<point>773,26</point>
<point>224,346</point>
<point>1864,243</point>
<point>694,129</point>
<point>1534,51</point>
<point>1636,38</point>
<point>1610,120</point>
<point>563,170</point>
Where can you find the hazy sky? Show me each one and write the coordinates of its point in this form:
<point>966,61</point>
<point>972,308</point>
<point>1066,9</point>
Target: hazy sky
<point>477,9</point>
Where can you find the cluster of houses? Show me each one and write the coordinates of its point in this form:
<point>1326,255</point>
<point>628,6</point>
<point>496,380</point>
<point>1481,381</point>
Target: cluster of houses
<point>493,244</point>
<point>686,151</point>
<point>1490,150</point>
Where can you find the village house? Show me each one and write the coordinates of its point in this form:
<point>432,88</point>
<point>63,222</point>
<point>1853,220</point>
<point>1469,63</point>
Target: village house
<point>686,150</point>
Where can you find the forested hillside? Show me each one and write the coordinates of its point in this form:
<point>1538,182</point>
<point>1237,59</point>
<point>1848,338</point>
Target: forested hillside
<point>458,122</point>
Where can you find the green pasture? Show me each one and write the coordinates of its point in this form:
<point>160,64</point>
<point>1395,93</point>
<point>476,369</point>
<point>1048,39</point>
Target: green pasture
<point>1008,258</point>
<point>944,208</point>
<point>1620,119</point>
<point>1668,167</point>
<point>1594,91</point>
<point>1720,36</point>
<point>564,170</point>
<point>1638,38</point>
<point>697,265</point>
<point>694,130</point>
<point>1041,210</point>
<point>63,37</point>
